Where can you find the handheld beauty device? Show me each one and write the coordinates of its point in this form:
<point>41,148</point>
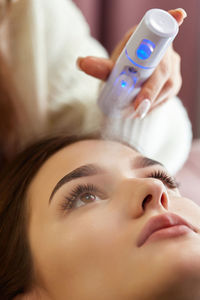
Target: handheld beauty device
<point>138,60</point>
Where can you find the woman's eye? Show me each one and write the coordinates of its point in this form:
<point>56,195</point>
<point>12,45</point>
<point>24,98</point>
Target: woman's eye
<point>87,198</point>
<point>165,178</point>
<point>82,195</point>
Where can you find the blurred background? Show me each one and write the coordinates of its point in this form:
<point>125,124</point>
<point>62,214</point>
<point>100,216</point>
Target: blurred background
<point>110,19</point>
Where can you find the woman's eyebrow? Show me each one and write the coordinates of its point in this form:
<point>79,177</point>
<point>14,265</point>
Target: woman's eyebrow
<point>144,162</point>
<point>93,169</point>
<point>83,171</point>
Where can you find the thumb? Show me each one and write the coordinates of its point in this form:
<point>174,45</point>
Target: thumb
<point>179,14</point>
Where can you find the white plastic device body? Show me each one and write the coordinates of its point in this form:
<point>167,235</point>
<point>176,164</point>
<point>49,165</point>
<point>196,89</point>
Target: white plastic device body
<point>139,58</point>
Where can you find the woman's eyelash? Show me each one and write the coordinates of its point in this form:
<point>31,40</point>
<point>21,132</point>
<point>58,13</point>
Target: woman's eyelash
<point>165,178</point>
<point>80,189</point>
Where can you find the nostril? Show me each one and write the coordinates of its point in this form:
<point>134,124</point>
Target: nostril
<point>146,200</point>
<point>164,201</point>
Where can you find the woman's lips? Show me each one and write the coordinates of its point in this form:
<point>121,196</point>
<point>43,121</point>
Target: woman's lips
<point>165,225</point>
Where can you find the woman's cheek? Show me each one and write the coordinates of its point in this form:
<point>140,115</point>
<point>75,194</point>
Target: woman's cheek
<point>186,208</point>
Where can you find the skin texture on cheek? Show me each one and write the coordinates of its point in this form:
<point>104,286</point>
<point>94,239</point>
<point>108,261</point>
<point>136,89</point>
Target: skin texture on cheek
<point>185,207</point>
<point>88,250</point>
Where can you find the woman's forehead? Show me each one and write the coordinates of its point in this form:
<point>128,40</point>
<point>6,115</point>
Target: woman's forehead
<point>110,156</point>
<point>107,154</point>
<point>95,150</point>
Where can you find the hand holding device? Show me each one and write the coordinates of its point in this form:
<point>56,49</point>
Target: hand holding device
<point>138,60</point>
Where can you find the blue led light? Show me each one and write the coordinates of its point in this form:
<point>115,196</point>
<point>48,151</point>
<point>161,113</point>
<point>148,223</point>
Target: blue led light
<point>136,64</point>
<point>123,83</point>
<point>145,49</point>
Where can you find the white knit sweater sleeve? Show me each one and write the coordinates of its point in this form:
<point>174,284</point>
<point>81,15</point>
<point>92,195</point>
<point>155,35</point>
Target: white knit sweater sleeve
<point>165,134</point>
<point>46,38</point>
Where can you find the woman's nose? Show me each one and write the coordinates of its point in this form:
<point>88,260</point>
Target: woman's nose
<point>141,194</point>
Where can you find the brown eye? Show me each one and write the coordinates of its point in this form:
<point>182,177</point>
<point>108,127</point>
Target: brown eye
<point>87,197</point>
<point>82,195</point>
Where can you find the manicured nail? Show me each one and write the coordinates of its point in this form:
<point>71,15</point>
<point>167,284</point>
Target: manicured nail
<point>78,63</point>
<point>143,108</point>
<point>183,12</point>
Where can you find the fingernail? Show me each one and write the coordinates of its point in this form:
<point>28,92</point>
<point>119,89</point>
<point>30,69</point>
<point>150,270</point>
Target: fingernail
<point>183,12</point>
<point>143,108</point>
<point>78,63</point>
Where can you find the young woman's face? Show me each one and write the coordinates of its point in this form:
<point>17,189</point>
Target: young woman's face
<point>88,206</point>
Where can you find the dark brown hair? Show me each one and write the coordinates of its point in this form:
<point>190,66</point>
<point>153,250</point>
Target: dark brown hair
<point>14,121</point>
<point>16,273</point>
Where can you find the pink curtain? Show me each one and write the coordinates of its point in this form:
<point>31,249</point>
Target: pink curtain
<point>110,19</point>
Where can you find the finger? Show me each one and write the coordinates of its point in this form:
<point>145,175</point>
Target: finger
<point>101,67</point>
<point>173,85</point>
<point>179,14</point>
<point>152,87</point>
<point>95,66</point>
<point>166,94</point>
<point>159,104</point>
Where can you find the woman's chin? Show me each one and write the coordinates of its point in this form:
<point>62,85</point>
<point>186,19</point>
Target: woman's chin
<point>170,262</point>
